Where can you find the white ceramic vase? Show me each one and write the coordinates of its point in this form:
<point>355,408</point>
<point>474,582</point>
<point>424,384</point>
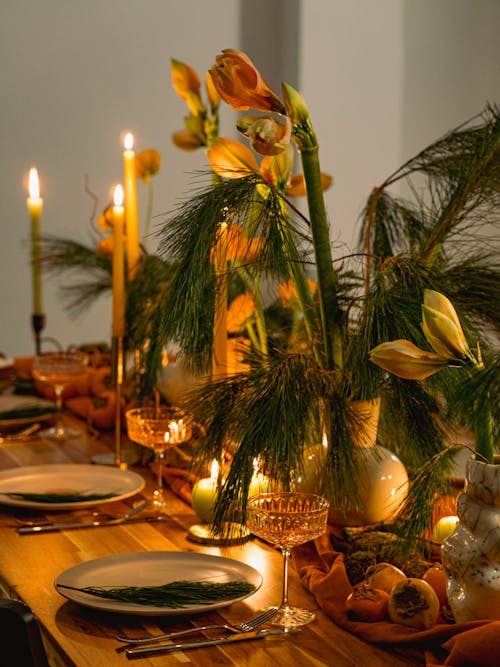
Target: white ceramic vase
<point>471,554</point>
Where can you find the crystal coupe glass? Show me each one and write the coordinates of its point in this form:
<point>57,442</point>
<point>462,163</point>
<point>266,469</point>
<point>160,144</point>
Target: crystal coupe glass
<point>58,370</point>
<point>158,428</point>
<point>287,520</point>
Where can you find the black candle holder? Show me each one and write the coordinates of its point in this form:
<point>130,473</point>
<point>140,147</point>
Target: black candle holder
<point>38,324</point>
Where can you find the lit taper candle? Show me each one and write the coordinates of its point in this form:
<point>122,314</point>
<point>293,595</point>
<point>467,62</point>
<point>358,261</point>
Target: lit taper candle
<point>35,205</point>
<point>131,213</point>
<point>118,323</point>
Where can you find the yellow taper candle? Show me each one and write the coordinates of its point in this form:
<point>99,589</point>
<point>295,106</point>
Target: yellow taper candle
<point>118,323</point>
<point>131,213</point>
<point>35,205</point>
<point>219,255</point>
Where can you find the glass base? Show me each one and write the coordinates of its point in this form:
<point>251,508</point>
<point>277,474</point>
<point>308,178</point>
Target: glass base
<point>292,617</point>
<point>60,433</point>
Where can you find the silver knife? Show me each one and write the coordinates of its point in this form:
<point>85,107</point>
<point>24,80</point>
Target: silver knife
<point>141,651</point>
<point>53,527</point>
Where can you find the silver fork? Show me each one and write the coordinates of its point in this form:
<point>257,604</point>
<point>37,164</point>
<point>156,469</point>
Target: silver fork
<point>87,515</point>
<point>245,626</point>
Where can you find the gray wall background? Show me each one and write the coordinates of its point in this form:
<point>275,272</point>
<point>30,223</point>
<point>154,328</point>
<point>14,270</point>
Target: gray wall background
<point>382,78</point>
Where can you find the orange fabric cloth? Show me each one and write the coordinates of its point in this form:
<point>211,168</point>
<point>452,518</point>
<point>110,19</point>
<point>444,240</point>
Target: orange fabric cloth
<point>91,398</point>
<point>322,571</point>
<point>180,481</point>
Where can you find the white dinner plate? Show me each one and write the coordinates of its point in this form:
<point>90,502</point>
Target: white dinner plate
<point>153,568</point>
<point>41,410</point>
<point>68,478</point>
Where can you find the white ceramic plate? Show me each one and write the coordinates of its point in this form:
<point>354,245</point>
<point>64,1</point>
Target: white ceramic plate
<point>153,568</point>
<point>9,403</point>
<point>68,478</point>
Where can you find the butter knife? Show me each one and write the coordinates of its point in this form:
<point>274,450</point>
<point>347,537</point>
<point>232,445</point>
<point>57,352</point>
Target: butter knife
<point>53,527</point>
<point>142,651</point>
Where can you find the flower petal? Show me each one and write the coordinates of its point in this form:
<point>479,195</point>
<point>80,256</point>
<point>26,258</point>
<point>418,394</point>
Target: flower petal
<point>276,169</point>
<point>231,159</point>
<point>406,360</point>
<point>443,334</point>
<point>184,79</point>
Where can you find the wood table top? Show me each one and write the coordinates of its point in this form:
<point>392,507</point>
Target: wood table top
<point>78,636</point>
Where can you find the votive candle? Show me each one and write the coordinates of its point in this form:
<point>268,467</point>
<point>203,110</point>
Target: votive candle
<point>204,494</point>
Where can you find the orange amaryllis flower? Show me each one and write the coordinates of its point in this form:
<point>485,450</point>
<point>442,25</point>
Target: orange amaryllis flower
<point>231,159</point>
<point>106,245</point>
<point>106,219</point>
<point>406,360</point>
<point>288,292</point>
<point>240,309</point>
<point>267,136</point>
<point>241,85</point>
<point>147,164</point>
<point>238,246</point>
<point>184,79</point>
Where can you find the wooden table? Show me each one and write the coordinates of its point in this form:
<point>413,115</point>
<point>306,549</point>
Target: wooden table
<point>77,636</point>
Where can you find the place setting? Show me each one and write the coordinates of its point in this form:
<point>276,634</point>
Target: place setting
<point>166,584</point>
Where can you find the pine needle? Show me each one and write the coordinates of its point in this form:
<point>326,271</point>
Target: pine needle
<point>175,594</point>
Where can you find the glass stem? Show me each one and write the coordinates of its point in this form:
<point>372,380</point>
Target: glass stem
<point>159,479</point>
<point>284,594</point>
<point>59,405</point>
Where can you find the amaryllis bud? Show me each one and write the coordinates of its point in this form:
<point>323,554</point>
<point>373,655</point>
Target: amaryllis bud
<point>241,85</point>
<point>212,94</point>
<point>406,360</point>
<point>442,327</point>
<point>295,105</point>
<point>184,79</point>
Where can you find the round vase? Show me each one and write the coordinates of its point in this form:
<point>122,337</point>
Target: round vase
<point>382,477</point>
<point>175,381</point>
<point>471,554</point>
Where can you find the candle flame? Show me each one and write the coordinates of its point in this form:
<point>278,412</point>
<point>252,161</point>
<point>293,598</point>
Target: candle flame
<point>34,185</point>
<point>128,141</point>
<point>214,472</point>
<point>118,196</point>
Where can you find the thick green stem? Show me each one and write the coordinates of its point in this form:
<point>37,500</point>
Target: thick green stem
<point>304,294</point>
<point>327,276</point>
<point>484,432</point>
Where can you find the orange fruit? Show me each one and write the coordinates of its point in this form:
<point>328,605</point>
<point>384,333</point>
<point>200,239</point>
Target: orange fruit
<point>435,576</point>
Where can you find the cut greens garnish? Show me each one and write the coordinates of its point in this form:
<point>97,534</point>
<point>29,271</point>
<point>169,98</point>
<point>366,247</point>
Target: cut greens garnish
<point>27,412</point>
<point>175,594</point>
<point>59,497</point>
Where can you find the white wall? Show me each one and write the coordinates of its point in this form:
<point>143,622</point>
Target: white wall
<point>382,79</point>
<point>385,78</point>
<point>73,76</point>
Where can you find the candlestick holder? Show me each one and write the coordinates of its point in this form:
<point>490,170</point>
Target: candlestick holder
<point>120,457</point>
<point>228,535</point>
<point>38,324</point>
